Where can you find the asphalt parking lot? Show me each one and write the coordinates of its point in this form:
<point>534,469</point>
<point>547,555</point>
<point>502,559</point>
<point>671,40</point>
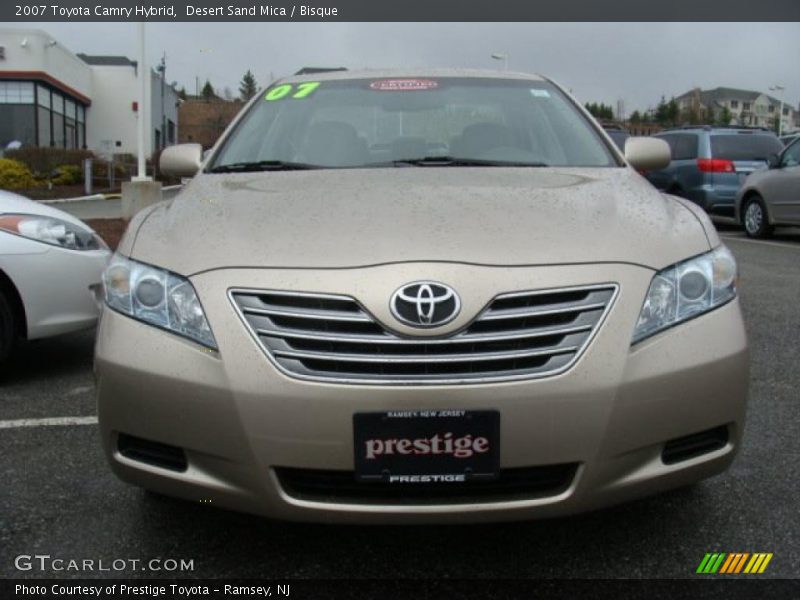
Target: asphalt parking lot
<point>59,497</point>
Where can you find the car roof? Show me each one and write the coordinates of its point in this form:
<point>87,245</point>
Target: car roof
<point>411,73</point>
<point>717,129</point>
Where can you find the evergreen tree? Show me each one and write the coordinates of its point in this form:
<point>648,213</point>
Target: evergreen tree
<point>248,86</point>
<point>208,91</point>
<point>673,111</point>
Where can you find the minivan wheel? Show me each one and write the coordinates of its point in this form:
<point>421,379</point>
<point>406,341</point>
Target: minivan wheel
<point>7,327</point>
<point>756,224</point>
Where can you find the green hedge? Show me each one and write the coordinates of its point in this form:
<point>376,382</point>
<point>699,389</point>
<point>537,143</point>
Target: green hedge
<point>15,175</point>
<point>43,161</point>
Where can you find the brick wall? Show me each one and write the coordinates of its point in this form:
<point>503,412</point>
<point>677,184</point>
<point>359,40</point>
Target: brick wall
<point>202,121</point>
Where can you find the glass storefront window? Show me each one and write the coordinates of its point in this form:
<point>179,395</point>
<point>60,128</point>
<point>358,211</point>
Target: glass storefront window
<point>72,137</point>
<point>58,130</point>
<point>17,124</point>
<point>43,96</point>
<point>44,126</point>
<point>16,92</point>
<point>58,103</point>
<point>69,109</point>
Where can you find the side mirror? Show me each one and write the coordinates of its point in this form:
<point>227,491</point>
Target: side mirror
<point>647,154</point>
<point>774,161</point>
<point>182,160</point>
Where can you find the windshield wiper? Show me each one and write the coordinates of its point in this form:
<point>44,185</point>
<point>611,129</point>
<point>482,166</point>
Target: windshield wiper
<point>451,161</point>
<point>262,165</point>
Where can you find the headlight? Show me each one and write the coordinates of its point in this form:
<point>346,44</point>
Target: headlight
<point>50,230</point>
<point>686,290</point>
<point>157,297</point>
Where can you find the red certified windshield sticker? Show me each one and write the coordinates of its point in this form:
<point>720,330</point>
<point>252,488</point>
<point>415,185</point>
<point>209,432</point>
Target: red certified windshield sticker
<point>403,85</point>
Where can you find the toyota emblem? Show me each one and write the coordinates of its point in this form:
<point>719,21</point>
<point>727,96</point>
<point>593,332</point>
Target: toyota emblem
<point>425,304</point>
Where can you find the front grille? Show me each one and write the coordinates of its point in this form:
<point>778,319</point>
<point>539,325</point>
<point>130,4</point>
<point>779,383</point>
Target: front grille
<point>332,338</point>
<point>341,487</point>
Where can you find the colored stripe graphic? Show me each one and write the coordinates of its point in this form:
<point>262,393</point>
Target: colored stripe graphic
<point>765,563</point>
<point>734,562</point>
<point>711,563</point>
<point>741,562</point>
<point>703,563</point>
<point>731,560</point>
<point>758,563</point>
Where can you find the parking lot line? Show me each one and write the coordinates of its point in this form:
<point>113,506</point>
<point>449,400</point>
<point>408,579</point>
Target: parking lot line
<point>736,238</point>
<point>51,422</point>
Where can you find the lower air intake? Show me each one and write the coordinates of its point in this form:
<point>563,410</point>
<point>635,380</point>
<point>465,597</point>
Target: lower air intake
<point>152,453</point>
<point>341,487</point>
<point>694,445</point>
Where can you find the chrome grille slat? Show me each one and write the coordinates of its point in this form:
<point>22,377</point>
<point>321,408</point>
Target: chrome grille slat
<point>413,358</point>
<point>387,338</point>
<point>327,337</point>
<point>330,316</point>
<point>525,313</point>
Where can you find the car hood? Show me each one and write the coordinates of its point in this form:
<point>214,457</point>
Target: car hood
<point>358,217</point>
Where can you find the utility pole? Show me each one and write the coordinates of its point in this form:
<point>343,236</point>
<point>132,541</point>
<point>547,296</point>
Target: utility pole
<point>162,68</point>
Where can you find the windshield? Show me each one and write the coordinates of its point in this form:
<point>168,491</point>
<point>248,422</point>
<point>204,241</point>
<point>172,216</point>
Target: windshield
<point>402,122</point>
<point>744,146</point>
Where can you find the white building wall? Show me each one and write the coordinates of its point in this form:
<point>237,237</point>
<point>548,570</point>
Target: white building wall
<point>34,50</point>
<point>111,122</point>
<point>170,106</point>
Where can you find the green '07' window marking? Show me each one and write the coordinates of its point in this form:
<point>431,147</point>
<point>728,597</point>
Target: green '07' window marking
<point>300,91</point>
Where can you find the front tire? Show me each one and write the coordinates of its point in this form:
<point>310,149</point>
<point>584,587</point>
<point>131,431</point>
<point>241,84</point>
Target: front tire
<point>8,330</point>
<point>755,220</point>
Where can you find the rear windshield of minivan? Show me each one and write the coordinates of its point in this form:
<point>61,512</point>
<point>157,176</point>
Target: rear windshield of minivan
<point>744,146</point>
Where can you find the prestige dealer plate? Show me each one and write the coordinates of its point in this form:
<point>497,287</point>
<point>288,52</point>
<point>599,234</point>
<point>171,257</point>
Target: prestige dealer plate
<point>426,446</point>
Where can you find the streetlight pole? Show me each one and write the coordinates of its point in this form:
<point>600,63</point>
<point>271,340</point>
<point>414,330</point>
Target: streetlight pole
<point>501,56</point>
<point>779,88</point>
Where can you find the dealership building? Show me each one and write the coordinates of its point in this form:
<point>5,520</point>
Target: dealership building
<point>52,97</point>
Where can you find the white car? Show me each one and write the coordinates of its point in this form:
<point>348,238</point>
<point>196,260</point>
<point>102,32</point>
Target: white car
<point>50,270</point>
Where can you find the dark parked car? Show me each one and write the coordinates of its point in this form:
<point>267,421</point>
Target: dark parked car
<point>709,164</point>
<point>617,134</point>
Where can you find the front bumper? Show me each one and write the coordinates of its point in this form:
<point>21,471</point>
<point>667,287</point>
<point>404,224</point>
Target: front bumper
<point>238,418</point>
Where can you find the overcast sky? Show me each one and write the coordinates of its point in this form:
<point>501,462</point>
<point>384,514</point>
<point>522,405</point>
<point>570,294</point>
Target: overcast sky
<point>603,62</point>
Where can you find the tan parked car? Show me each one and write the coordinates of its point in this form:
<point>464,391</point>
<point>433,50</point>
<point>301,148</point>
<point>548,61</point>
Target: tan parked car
<point>427,296</point>
<point>771,197</point>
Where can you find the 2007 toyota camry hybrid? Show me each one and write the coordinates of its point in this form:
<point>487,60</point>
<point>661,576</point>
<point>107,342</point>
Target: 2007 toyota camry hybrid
<point>419,296</point>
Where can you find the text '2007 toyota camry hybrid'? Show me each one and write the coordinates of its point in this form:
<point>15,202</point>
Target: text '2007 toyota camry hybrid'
<point>420,296</point>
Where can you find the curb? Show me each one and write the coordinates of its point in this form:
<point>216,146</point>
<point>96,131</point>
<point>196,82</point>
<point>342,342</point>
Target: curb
<point>94,197</point>
<point>79,199</point>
